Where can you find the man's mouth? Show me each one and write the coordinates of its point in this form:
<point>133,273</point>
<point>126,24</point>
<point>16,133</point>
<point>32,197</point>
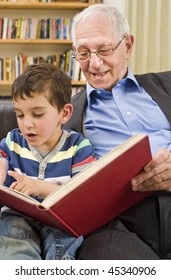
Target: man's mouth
<point>101,74</point>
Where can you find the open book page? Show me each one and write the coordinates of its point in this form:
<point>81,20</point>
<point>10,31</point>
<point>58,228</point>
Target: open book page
<point>31,208</point>
<point>22,196</point>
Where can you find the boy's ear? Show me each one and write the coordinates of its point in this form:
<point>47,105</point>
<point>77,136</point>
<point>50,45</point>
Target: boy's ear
<point>66,113</point>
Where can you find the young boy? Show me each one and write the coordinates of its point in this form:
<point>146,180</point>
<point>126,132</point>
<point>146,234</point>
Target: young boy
<point>39,156</point>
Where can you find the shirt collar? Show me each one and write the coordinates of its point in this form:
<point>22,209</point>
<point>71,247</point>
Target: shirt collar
<point>127,81</point>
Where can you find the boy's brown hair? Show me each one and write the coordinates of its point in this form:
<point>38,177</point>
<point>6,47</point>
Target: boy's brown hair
<point>44,79</point>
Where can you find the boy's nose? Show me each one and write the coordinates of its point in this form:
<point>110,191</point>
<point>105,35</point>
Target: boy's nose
<point>28,123</point>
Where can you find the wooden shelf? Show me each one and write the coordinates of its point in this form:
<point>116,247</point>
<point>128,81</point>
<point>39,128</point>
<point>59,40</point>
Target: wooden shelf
<point>78,83</point>
<point>43,6</point>
<point>5,83</point>
<point>74,83</point>
<point>36,41</point>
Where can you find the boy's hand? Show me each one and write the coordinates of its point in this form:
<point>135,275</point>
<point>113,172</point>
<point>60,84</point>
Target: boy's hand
<point>30,186</point>
<point>25,184</point>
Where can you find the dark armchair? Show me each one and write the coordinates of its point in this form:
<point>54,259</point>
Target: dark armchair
<point>7,117</point>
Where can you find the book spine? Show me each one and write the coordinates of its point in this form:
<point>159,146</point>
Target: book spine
<point>64,224</point>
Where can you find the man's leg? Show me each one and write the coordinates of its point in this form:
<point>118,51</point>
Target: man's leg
<point>115,243</point>
<point>151,221</point>
<point>134,235</point>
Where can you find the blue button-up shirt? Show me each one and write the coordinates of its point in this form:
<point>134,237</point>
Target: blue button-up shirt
<point>113,117</point>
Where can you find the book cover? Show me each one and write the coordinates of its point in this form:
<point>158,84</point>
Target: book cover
<point>93,197</point>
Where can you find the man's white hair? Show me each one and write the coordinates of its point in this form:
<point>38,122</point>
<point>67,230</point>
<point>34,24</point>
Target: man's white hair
<point>119,22</point>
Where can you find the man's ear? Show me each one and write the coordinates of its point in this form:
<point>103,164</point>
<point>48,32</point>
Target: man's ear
<point>73,48</point>
<point>66,113</point>
<point>129,40</point>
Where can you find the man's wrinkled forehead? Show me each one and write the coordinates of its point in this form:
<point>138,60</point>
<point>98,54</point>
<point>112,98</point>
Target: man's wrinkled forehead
<point>94,32</point>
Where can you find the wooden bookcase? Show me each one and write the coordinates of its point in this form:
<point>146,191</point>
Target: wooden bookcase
<point>36,47</point>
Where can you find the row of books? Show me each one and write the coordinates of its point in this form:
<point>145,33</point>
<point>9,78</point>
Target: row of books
<point>10,68</point>
<point>34,28</point>
<point>70,66</point>
<point>42,1</point>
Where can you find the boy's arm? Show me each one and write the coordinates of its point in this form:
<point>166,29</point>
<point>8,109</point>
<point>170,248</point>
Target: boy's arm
<point>3,169</point>
<point>83,157</point>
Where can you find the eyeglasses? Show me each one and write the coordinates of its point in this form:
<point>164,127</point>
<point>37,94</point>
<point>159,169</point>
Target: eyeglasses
<point>84,56</point>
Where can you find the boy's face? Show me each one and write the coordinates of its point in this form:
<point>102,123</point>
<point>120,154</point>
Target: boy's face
<point>40,122</point>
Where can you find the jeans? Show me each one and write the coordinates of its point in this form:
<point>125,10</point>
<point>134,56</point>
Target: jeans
<point>26,239</point>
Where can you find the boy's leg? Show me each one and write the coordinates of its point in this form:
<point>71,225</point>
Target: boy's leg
<point>57,245</point>
<point>18,241</point>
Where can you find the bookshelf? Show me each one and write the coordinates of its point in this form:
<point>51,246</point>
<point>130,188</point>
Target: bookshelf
<point>9,48</point>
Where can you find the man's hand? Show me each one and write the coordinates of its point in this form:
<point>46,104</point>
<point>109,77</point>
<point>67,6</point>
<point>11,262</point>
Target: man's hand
<point>156,174</point>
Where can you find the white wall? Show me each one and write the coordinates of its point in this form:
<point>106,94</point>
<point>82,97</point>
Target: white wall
<point>120,4</point>
<point>150,23</point>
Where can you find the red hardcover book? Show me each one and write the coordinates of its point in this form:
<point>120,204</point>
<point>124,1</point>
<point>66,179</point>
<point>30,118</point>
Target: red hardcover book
<point>93,197</point>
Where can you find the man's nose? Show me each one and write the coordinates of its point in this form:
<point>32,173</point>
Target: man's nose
<point>95,61</point>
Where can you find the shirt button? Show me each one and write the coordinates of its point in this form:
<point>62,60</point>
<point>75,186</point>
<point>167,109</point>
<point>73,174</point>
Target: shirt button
<point>43,164</point>
<point>98,91</point>
<point>40,177</point>
<point>34,153</point>
<point>128,113</point>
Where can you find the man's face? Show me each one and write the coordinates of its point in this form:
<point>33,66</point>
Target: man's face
<point>96,33</point>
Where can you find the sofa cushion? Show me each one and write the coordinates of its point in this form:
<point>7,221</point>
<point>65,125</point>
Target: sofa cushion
<point>7,117</point>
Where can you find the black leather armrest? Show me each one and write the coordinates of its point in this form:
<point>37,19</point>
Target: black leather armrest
<point>7,117</point>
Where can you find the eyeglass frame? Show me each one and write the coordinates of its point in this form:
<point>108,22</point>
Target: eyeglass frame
<point>97,52</point>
